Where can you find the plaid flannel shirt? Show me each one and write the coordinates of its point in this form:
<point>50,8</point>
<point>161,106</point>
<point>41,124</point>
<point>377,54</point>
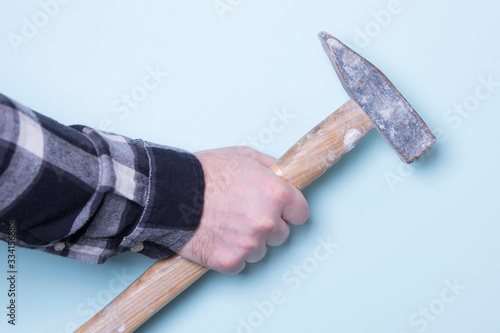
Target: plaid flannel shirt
<point>89,195</point>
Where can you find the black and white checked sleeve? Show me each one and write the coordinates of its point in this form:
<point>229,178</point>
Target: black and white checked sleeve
<point>89,195</point>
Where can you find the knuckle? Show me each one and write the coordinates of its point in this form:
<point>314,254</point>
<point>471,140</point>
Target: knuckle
<point>248,244</point>
<point>265,225</point>
<point>277,193</point>
<point>257,255</point>
<point>230,264</point>
<point>281,237</point>
<point>284,236</point>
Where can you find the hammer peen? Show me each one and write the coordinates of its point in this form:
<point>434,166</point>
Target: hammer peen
<point>374,103</point>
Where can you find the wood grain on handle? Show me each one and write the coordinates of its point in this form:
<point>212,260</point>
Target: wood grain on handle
<point>312,155</point>
<point>160,284</point>
<point>323,146</point>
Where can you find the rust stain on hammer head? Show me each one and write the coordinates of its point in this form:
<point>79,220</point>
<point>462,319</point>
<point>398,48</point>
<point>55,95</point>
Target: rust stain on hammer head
<point>392,115</point>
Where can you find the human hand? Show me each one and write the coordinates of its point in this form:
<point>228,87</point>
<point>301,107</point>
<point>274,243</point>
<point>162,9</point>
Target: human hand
<point>246,207</point>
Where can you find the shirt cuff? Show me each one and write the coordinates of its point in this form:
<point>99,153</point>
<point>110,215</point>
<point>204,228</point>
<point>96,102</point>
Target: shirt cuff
<point>175,201</point>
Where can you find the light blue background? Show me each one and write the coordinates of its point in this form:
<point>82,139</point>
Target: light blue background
<point>399,246</point>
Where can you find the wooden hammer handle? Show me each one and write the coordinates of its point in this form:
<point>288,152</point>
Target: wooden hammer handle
<point>160,284</point>
<point>312,155</point>
<point>323,146</point>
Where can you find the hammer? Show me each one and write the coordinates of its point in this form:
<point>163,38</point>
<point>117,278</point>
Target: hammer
<point>374,103</point>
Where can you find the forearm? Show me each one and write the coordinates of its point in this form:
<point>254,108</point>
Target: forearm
<point>88,195</point>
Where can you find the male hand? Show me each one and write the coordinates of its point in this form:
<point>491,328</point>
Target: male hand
<point>246,207</point>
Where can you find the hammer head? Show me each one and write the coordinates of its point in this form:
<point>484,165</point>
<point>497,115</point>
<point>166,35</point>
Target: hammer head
<point>392,115</point>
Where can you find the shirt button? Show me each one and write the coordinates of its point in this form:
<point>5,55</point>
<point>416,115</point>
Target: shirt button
<point>137,248</point>
<point>59,246</point>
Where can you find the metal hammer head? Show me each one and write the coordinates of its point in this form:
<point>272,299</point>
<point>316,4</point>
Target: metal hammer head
<point>392,115</point>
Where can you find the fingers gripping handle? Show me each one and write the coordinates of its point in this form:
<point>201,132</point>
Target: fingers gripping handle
<point>312,155</point>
